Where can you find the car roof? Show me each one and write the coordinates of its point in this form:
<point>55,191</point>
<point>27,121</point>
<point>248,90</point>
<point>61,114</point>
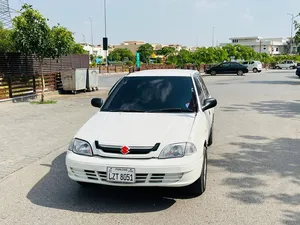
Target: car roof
<point>164,72</point>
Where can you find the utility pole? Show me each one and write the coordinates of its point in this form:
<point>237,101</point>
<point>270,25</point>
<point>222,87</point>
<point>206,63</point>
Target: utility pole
<point>213,37</point>
<point>105,34</point>
<point>92,38</point>
<point>83,38</point>
<point>259,45</point>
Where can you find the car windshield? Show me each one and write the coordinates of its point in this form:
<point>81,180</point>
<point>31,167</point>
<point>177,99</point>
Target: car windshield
<point>151,94</point>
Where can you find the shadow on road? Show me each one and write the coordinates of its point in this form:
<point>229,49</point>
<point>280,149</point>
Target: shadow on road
<point>56,190</point>
<point>286,82</point>
<point>278,108</point>
<point>260,156</point>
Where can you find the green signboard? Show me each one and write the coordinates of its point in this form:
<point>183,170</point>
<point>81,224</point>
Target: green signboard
<point>138,60</point>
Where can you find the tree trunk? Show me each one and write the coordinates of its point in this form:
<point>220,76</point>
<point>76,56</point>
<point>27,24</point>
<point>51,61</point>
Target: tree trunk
<point>43,81</point>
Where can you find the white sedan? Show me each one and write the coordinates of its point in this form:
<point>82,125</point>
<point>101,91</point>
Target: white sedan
<point>153,130</point>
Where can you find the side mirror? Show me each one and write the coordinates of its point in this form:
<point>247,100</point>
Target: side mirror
<point>209,104</point>
<point>97,102</point>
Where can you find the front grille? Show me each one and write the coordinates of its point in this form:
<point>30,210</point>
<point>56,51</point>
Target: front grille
<point>85,174</point>
<point>139,177</point>
<point>132,150</point>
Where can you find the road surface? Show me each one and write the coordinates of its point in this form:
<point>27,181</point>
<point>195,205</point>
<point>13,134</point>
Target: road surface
<point>253,174</point>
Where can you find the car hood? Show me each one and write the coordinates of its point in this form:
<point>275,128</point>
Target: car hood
<point>137,129</point>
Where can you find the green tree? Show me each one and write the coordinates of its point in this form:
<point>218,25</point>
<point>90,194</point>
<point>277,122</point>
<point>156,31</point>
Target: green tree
<point>6,41</point>
<point>199,56</point>
<point>146,52</point>
<point>62,41</point>
<point>220,55</point>
<point>184,57</point>
<point>297,31</point>
<point>32,35</point>
<point>121,55</point>
<point>167,51</point>
<point>231,51</point>
<point>77,49</point>
<point>171,60</point>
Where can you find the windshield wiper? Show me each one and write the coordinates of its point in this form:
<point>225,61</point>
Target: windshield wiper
<point>172,110</point>
<point>127,110</point>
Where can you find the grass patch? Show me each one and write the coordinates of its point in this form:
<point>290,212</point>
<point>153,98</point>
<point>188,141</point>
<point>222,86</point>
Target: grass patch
<point>44,103</point>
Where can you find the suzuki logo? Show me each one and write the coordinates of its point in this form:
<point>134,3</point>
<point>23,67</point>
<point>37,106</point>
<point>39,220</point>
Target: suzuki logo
<point>125,150</point>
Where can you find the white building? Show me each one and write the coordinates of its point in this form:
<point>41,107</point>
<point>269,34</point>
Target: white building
<point>271,46</point>
<point>94,49</point>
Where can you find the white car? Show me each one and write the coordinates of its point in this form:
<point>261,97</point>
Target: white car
<point>153,130</point>
<point>254,66</point>
<point>288,64</point>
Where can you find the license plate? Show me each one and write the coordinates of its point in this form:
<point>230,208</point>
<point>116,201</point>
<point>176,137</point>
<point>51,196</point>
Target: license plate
<point>120,175</point>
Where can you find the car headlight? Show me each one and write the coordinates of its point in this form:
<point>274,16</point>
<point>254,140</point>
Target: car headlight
<point>80,147</point>
<point>178,150</point>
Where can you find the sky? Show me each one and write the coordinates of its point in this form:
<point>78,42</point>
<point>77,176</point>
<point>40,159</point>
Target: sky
<point>185,22</point>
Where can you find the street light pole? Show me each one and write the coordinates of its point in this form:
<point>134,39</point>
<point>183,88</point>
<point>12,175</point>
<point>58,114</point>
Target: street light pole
<point>92,38</point>
<point>105,32</point>
<point>213,37</point>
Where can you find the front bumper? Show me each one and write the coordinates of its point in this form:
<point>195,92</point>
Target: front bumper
<point>149,172</point>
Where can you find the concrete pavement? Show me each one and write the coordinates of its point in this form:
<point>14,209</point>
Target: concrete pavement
<point>253,174</point>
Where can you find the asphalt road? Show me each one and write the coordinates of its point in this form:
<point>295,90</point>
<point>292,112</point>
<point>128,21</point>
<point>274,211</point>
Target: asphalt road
<point>253,174</point>
<point>106,81</point>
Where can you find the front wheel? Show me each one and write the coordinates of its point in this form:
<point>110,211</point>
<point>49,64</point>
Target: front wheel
<point>199,187</point>
<point>255,70</point>
<point>240,73</point>
<point>213,73</point>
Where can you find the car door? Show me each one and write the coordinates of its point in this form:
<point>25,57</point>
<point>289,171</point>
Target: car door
<point>201,97</point>
<point>224,68</point>
<point>251,66</point>
<point>206,96</point>
<point>247,64</point>
<point>234,67</point>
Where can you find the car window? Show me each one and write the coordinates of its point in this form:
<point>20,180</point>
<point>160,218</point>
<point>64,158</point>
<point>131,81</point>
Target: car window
<point>235,64</point>
<point>245,63</point>
<point>112,88</point>
<point>252,62</point>
<point>224,64</point>
<point>150,94</point>
<point>203,85</point>
<point>199,89</point>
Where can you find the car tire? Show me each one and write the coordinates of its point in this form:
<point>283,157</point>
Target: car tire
<point>240,73</point>
<point>213,73</point>
<point>199,186</point>
<point>255,70</point>
<point>291,67</point>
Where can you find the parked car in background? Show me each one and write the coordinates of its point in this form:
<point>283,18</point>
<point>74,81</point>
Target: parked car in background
<point>288,64</point>
<point>153,130</point>
<point>255,66</point>
<point>228,68</point>
<point>298,72</point>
